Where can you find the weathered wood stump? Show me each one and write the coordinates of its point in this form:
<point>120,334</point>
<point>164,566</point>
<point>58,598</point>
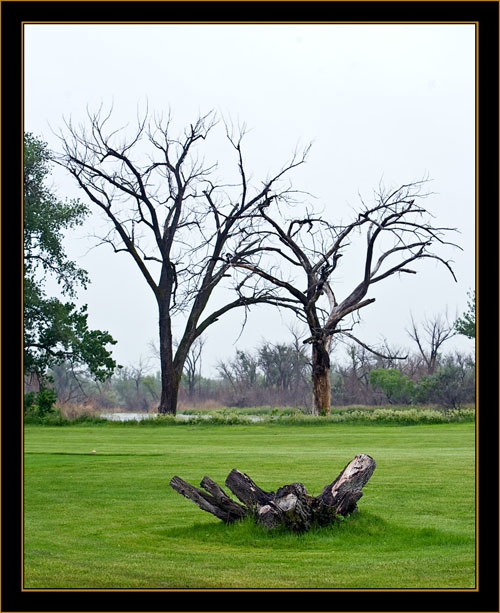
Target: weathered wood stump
<point>289,506</point>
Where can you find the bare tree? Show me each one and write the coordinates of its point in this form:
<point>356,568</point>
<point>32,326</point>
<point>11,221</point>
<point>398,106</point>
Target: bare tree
<point>398,232</point>
<point>68,380</point>
<point>356,375</point>
<point>242,374</point>
<point>168,211</point>
<point>130,385</point>
<point>192,365</point>
<point>436,331</point>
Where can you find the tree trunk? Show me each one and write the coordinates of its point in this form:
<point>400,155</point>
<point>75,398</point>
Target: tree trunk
<point>290,506</point>
<point>169,391</point>
<point>321,379</point>
<point>216,501</point>
<point>170,378</point>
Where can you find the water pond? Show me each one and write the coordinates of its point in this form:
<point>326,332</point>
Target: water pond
<point>126,416</point>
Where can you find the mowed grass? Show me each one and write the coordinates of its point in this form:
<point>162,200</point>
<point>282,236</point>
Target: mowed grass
<point>111,520</point>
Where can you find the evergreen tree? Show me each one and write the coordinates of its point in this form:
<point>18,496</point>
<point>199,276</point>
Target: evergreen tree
<point>466,324</point>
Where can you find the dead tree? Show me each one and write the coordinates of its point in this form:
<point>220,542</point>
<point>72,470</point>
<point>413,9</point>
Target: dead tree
<point>290,506</point>
<point>398,233</point>
<point>182,229</point>
<point>436,331</point>
<point>192,365</point>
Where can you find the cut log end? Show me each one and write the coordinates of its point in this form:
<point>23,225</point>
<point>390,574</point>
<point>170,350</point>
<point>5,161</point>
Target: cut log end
<point>290,506</point>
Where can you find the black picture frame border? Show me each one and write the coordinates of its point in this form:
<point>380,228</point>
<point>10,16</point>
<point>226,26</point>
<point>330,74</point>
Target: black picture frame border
<point>486,14</point>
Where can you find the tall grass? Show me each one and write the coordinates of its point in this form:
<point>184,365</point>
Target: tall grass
<point>268,415</point>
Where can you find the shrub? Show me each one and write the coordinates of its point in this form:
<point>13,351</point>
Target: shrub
<point>40,403</point>
<point>450,386</point>
<point>397,387</point>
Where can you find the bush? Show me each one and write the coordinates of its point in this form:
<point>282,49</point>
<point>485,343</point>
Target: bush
<point>40,403</point>
<point>407,415</point>
<point>397,387</point>
<point>450,386</point>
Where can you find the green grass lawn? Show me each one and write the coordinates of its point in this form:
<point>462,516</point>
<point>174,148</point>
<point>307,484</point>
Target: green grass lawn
<point>111,520</point>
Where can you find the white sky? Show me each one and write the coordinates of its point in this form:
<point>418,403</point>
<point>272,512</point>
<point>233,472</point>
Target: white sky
<point>380,102</point>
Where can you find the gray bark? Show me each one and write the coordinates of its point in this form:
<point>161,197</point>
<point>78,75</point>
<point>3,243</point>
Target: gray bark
<point>290,506</point>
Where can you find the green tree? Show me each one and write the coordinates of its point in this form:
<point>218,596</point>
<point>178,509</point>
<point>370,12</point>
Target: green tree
<point>396,386</point>
<point>453,383</point>
<point>54,331</point>
<point>466,324</point>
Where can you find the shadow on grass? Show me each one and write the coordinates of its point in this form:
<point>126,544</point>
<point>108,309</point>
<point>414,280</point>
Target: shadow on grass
<point>357,531</point>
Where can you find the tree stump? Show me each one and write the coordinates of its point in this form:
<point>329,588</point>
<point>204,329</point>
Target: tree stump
<point>290,506</point>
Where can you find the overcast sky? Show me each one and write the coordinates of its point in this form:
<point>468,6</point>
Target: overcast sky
<point>390,103</point>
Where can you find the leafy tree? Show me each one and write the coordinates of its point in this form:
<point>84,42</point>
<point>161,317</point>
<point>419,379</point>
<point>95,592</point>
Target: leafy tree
<point>466,324</point>
<point>40,402</point>
<point>45,218</point>
<point>396,386</point>
<point>453,383</point>
<point>54,331</point>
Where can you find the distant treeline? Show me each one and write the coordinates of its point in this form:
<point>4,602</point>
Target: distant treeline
<point>278,375</point>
